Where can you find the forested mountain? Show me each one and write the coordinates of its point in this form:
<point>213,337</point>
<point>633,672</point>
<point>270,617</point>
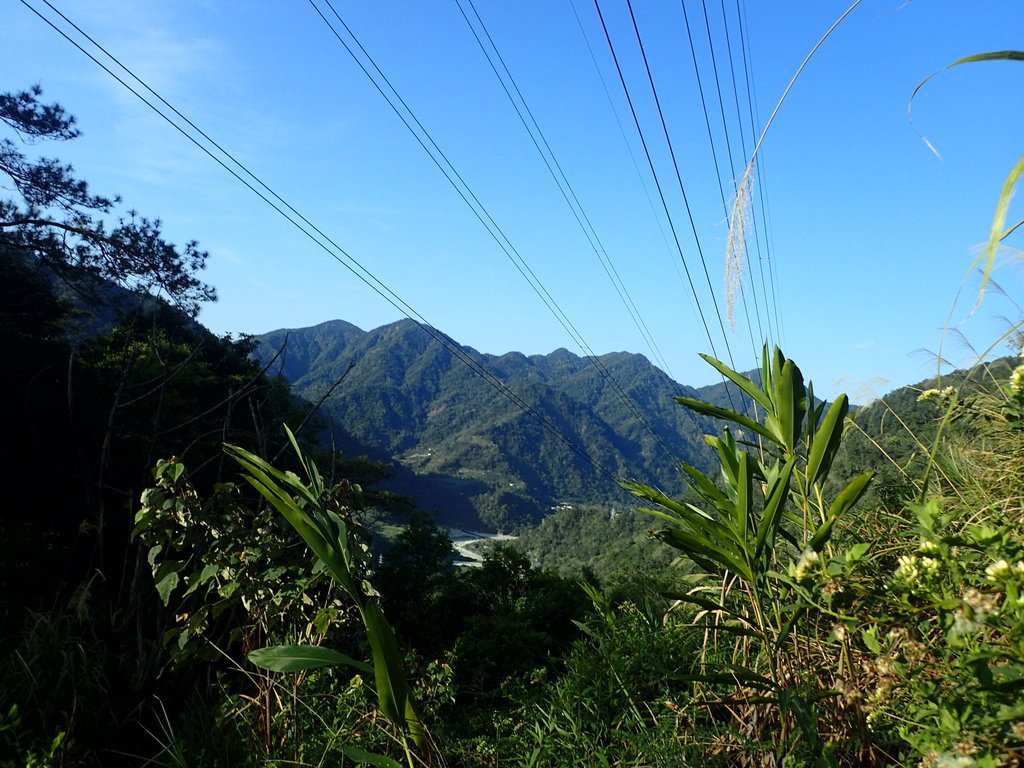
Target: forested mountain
<point>171,555</point>
<point>469,449</point>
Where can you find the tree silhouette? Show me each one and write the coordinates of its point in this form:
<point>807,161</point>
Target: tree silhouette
<point>55,219</point>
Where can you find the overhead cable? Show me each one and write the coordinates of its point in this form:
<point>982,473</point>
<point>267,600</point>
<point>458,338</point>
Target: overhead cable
<point>323,241</point>
<point>441,160</point>
<point>540,142</point>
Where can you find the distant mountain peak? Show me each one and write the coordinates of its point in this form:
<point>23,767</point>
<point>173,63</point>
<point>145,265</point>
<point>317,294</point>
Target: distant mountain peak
<point>471,452</point>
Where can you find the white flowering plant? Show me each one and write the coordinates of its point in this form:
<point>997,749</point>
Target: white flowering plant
<point>951,639</point>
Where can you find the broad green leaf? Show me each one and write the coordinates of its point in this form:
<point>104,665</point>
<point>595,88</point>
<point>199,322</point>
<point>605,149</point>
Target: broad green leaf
<point>1011,711</point>
<point>1007,678</point>
<point>927,514</point>
<point>362,757</point>
<point>208,572</point>
<point>296,658</point>
<point>826,440</point>
<point>870,638</point>
<point>790,404</point>
<point>166,584</point>
<point>857,551</point>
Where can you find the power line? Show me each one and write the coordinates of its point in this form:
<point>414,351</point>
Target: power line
<point>465,192</point>
<point>628,145</point>
<point>743,148</point>
<point>560,179</point>
<point>743,145</point>
<point>725,130</point>
<point>571,199</point>
<point>714,152</point>
<point>679,178</point>
<point>762,191</point>
<point>657,182</point>
<point>335,251</point>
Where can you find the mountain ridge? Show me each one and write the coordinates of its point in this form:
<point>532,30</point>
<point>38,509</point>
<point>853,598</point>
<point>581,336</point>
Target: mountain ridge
<point>399,392</point>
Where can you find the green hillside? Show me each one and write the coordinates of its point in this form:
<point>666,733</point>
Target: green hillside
<point>396,392</point>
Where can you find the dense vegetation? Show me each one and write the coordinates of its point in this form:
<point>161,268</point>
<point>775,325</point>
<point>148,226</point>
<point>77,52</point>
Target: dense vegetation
<point>187,581</point>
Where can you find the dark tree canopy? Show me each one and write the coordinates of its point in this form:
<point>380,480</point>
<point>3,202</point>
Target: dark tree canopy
<point>54,217</point>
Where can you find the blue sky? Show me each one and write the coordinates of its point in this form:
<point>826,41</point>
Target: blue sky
<point>868,234</point>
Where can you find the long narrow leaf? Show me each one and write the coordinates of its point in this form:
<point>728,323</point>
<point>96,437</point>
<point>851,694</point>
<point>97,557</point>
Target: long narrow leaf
<point>267,480</point>
<point>392,691</point>
<point>744,504</point>
<point>840,506</point>
<point>704,552</point>
<point>699,524</point>
<point>789,626</point>
<point>327,535</point>
<point>749,387</point>
<point>704,485</point>
<point>733,676</point>
<point>708,409</point>
<point>826,440</point>
<point>775,502</point>
<point>295,658</point>
<point>729,459</point>
<point>703,602</point>
<point>850,494</point>
<point>766,374</point>
<point>998,230</point>
<point>649,493</point>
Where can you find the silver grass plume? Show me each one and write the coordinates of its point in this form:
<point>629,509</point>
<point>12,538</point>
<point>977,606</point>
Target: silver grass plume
<point>736,246</point>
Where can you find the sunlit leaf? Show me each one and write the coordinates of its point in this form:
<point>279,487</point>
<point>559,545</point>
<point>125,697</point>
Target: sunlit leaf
<point>715,411</point>
<point>296,658</point>
<point>746,385</point>
<point>362,757</point>
<point>826,440</point>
